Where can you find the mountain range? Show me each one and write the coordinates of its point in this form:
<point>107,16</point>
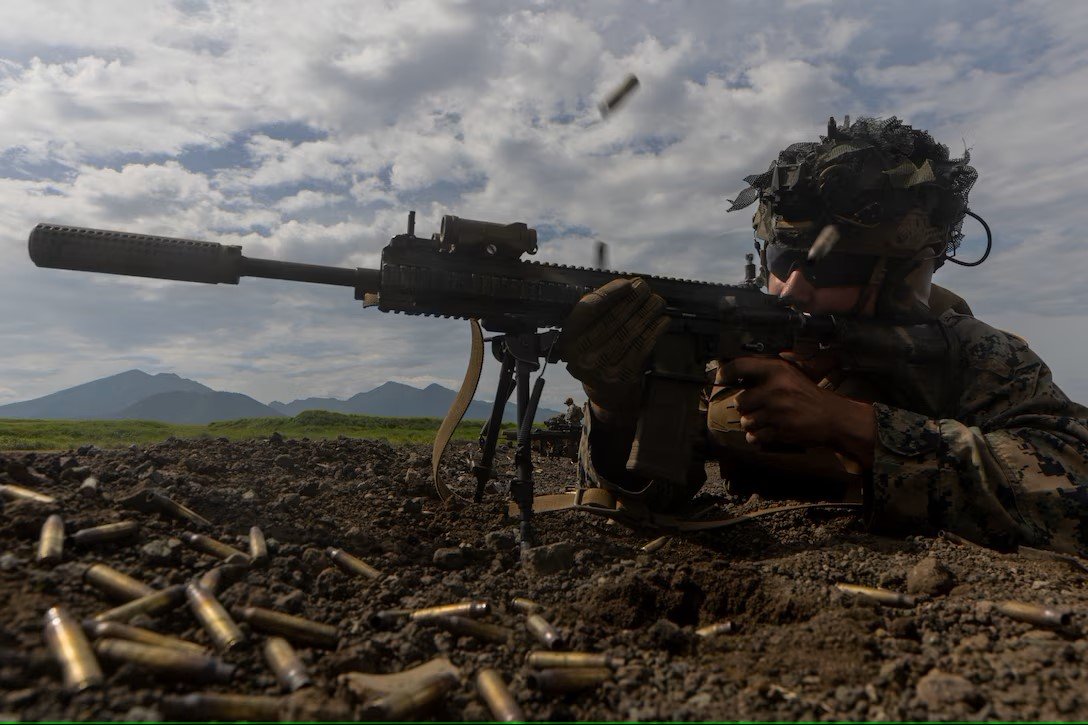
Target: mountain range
<point>170,398</point>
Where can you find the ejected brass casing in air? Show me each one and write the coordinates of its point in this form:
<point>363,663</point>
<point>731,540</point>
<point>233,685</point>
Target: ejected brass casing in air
<point>214,706</point>
<point>352,564</point>
<point>117,586</point>
<point>106,532</point>
<point>151,605</point>
<point>880,596</point>
<point>464,626</point>
<point>117,630</point>
<point>567,679</point>
<point>496,694</point>
<point>51,542</point>
<point>404,704</point>
<point>217,579</point>
<point>258,547</point>
<point>616,97</point>
<point>208,545</point>
<point>1041,616</point>
<point>165,660</point>
<point>284,662</point>
<point>293,628</point>
<point>525,606</point>
<point>717,628</point>
<point>545,633</point>
<point>457,609</point>
<point>72,651</point>
<point>11,491</point>
<point>222,630</point>
<point>546,660</point>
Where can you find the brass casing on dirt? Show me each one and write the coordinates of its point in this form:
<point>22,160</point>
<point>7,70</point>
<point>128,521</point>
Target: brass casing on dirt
<point>51,542</point>
<point>467,627</point>
<point>352,564</point>
<point>458,609</point>
<point>165,660</point>
<point>11,491</point>
<point>525,606</point>
<point>1036,614</point>
<point>881,596</point>
<point>214,706</point>
<point>72,651</point>
<point>208,545</point>
<point>222,630</point>
<point>541,660</point>
<point>258,547</point>
<point>545,633</point>
<point>106,532</point>
<point>567,679</point>
<point>217,579</point>
<point>497,695</point>
<point>114,584</point>
<point>117,630</point>
<point>285,663</point>
<point>152,604</point>
<point>716,628</point>
<point>289,626</point>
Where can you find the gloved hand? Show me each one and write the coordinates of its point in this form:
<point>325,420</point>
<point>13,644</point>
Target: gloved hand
<point>607,338</point>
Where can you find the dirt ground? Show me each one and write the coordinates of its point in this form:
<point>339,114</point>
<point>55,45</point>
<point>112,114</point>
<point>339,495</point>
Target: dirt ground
<point>800,649</point>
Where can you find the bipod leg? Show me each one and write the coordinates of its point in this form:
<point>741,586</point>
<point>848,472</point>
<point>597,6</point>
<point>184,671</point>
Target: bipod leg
<point>523,487</point>
<point>489,437</point>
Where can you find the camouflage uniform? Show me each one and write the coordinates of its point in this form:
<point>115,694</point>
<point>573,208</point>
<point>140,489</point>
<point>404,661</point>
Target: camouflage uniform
<point>1006,463</point>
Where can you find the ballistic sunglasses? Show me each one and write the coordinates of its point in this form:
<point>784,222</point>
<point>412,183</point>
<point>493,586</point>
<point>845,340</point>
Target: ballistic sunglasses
<point>837,269</point>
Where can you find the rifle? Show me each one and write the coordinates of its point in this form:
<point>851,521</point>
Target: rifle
<point>474,270</point>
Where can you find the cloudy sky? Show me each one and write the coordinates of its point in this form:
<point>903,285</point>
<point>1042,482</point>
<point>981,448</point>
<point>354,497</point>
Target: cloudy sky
<point>306,131</point>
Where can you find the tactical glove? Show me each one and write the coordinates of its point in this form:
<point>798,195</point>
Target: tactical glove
<point>608,336</point>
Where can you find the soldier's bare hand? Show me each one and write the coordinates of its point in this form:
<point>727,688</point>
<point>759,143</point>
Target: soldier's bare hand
<point>780,404</point>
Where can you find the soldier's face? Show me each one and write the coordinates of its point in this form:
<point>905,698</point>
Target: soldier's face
<point>817,299</point>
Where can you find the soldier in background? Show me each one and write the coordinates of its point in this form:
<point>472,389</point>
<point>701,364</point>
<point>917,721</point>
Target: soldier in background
<point>999,456</point>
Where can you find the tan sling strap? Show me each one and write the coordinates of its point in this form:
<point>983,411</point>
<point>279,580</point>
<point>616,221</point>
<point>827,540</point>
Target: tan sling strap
<point>458,408</point>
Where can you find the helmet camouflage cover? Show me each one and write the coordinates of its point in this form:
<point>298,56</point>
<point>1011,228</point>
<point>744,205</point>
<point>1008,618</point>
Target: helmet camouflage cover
<point>888,189</point>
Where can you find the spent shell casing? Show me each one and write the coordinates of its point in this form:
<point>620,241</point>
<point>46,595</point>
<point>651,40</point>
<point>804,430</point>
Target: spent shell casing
<point>217,579</point>
<point>11,491</point>
<point>474,608</point>
<point>258,547</point>
<point>151,605</point>
<point>541,660</point>
<point>208,545</point>
<point>51,542</point>
<point>405,704</point>
<point>158,502</point>
<point>107,532</point>
<point>215,706</point>
<point>466,627</point>
<point>165,660</point>
<point>117,630</point>
<point>1036,614</point>
<point>616,97</point>
<point>72,651</point>
<point>545,633</point>
<point>352,564</point>
<point>389,618</point>
<point>567,679</point>
<point>293,628</point>
<point>711,630</point>
<point>497,695</point>
<point>880,596</point>
<point>115,584</point>
<point>285,663</point>
<point>222,630</point>
<point>525,606</point>
<point>655,545</point>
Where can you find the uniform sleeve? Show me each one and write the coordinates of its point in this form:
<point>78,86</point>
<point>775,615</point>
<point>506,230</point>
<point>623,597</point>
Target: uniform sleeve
<point>1011,466</point>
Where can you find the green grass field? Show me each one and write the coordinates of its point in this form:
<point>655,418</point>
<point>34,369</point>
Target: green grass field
<point>19,434</point>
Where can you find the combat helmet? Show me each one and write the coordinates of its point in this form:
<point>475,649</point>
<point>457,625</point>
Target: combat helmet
<point>874,203</point>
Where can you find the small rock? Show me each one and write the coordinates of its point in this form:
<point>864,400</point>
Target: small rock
<point>413,480</point>
<point>500,540</point>
<point>449,557</point>
<point>142,714</point>
<point>309,489</point>
<point>550,559</point>
<point>288,501</point>
<point>903,628</point>
<point>9,562</point>
<point>276,438</point>
<point>284,461</point>
<point>161,552</point>
<point>931,577</point>
<point>249,495</point>
<point>942,690</point>
<point>669,636</point>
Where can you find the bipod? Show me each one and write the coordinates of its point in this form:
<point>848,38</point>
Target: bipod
<point>520,355</point>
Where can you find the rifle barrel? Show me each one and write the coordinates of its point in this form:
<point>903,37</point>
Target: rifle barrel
<point>143,255</point>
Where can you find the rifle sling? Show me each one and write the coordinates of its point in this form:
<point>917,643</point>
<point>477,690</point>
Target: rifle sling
<point>458,408</point>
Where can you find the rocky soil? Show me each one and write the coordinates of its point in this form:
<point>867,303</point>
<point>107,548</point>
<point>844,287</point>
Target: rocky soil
<point>800,649</point>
